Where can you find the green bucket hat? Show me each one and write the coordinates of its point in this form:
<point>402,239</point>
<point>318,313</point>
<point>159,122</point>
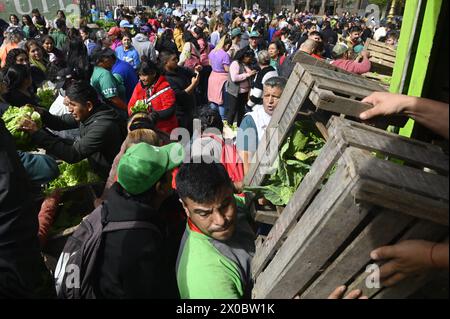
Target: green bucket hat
<point>143,165</point>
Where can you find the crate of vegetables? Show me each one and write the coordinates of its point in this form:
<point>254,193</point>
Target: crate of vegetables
<point>367,188</point>
<point>315,93</point>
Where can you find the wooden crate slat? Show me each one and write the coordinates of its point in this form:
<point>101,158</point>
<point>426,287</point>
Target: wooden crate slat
<point>421,230</point>
<point>300,200</point>
<point>383,57</point>
<point>379,45</point>
<point>375,60</point>
<point>382,230</point>
<point>304,58</point>
<point>327,100</point>
<point>369,138</point>
<point>339,78</point>
<point>327,222</point>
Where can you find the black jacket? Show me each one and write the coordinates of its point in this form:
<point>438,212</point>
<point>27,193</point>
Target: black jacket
<point>101,136</point>
<point>20,259</point>
<point>133,263</point>
<point>186,103</point>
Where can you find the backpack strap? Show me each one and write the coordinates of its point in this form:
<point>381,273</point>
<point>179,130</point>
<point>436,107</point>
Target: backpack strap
<point>114,226</point>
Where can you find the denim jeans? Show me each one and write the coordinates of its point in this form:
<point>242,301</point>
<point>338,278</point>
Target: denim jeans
<point>220,108</point>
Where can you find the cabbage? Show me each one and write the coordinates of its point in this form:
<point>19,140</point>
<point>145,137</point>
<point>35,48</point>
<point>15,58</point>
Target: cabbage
<point>12,118</point>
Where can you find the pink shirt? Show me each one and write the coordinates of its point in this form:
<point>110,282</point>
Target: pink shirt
<point>353,66</point>
<point>244,86</point>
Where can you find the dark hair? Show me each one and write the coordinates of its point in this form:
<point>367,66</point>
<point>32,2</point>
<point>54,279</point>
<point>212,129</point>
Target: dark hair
<point>12,55</point>
<point>201,182</point>
<point>163,57</point>
<point>82,92</point>
<point>35,11</point>
<point>316,33</point>
<point>143,122</point>
<point>46,37</point>
<point>280,47</point>
<point>188,37</point>
<point>100,54</point>
<point>127,34</point>
<point>148,67</point>
<point>16,75</point>
<point>76,50</point>
<point>60,24</point>
<point>73,33</point>
<point>355,29</point>
<point>61,11</point>
<point>210,118</point>
<point>243,53</point>
<point>13,15</point>
<point>308,25</point>
<point>29,20</point>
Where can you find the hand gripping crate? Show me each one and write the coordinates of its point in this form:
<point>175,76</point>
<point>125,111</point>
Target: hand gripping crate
<point>352,201</point>
<point>320,93</point>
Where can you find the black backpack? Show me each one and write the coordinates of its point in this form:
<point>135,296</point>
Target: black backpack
<point>75,268</point>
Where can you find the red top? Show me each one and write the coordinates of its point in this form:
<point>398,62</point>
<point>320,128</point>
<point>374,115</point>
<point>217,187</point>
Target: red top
<point>163,102</point>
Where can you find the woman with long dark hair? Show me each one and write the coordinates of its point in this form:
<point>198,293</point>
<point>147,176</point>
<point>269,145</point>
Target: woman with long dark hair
<point>28,28</point>
<point>154,90</point>
<point>18,82</point>
<point>55,55</point>
<point>38,62</point>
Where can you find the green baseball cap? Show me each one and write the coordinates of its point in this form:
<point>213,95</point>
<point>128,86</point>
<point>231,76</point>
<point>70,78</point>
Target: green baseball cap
<point>143,165</point>
<point>254,34</point>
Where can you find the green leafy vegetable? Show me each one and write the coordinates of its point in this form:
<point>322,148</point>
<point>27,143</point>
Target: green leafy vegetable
<point>293,163</point>
<point>73,175</point>
<point>140,106</point>
<point>46,97</point>
<point>12,118</point>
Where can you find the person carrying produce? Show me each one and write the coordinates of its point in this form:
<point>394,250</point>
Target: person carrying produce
<point>154,94</point>
<point>216,250</point>
<point>254,124</point>
<point>101,130</point>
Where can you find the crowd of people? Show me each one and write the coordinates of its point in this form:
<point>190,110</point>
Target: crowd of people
<point>222,68</point>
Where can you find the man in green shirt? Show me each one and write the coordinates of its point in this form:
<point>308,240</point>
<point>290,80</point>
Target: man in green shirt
<point>108,86</point>
<point>218,244</point>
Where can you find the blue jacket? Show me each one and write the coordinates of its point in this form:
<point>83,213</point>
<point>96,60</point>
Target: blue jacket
<point>131,56</point>
<point>127,75</point>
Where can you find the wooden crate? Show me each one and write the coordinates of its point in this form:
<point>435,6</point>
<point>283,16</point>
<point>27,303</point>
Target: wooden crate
<point>323,237</point>
<point>320,93</point>
<point>382,57</point>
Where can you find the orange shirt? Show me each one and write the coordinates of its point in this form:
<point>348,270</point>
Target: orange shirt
<point>4,49</point>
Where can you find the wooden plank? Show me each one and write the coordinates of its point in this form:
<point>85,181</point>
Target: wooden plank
<point>382,62</point>
<point>327,222</point>
<point>381,231</point>
<point>296,206</point>
<point>327,100</point>
<point>372,42</point>
<point>339,78</point>
<point>383,57</point>
<point>373,139</point>
<point>375,48</point>
<point>304,58</point>
<point>401,188</point>
<point>421,230</point>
